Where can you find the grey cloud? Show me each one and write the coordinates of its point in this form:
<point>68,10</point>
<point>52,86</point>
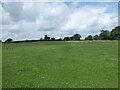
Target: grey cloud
<point>15,10</point>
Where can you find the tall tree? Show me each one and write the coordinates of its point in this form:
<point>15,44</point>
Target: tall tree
<point>105,35</point>
<point>96,37</point>
<point>46,37</point>
<point>115,33</point>
<point>76,37</point>
<point>66,38</point>
<point>89,37</point>
<point>9,40</point>
<point>53,39</point>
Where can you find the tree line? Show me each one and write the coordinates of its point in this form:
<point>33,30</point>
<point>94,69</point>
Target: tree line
<point>47,38</point>
<point>114,34</point>
<point>106,35</point>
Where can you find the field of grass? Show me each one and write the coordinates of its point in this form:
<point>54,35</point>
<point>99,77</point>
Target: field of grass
<point>53,64</point>
<point>0,65</point>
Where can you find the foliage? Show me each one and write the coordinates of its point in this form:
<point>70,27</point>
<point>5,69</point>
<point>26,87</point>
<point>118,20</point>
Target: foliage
<point>41,39</point>
<point>66,38</point>
<point>60,39</point>
<point>53,39</point>
<point>46,38</point>
<point>96,37</point>
<point>115,33</point>
<point>9,40</point>
<point>105,35</point>
<point>76,37</point>
<point>89,37</point>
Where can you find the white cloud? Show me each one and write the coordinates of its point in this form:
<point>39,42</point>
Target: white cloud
<point>34,20</point>
<point>90,20</point>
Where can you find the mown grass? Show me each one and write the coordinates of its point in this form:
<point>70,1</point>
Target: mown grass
<point>88,64</point>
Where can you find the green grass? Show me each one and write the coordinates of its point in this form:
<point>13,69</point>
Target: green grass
<point>0,65</point>
<point>84,64</point>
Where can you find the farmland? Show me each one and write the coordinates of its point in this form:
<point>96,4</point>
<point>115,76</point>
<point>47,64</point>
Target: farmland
<point>0,65</point>
<point>60,64</point>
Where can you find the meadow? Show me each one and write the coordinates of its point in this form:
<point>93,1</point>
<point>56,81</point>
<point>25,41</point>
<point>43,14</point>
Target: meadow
<point>0,65</point>
<point>60,64</point>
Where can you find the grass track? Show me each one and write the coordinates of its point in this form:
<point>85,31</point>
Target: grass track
<point>84,64</point>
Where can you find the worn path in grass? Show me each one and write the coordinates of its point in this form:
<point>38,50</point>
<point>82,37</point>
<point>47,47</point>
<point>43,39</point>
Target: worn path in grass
<point>61,64</point>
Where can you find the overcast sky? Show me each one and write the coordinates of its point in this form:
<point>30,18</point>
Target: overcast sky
<point>21,21</point>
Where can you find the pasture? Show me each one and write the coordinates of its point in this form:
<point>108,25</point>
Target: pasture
<point>0,65</point>
<point>60,64</point>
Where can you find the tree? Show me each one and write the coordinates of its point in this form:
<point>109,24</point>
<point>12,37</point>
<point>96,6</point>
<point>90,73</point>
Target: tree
<point>96,37</point>
<point>105,35</point>
<point>41,39</point>
<point>115,33</point>
<point>89,37</point>
<point>71,38</point>
<point>66,38</point>
<point>76,37</point>
<point>60,39</point>
<point>46,37</point>
<point>53,39</point>
<point>9,40</point>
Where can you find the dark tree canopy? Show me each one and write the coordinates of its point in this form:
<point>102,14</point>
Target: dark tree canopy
<point>53,39</point>
<point>96,37</point>
<point>115,33</point>
<point>9,40</point>
<point>89,37</point>
<point>66,38</point>
<point>60,39</point>
<point>41,39</point>
<point>76,37</point>
<point>71,38</point>
<point>105,35</point>
<point>46,37</point>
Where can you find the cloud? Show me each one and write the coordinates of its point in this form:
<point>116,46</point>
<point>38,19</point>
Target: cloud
<point>14,9</point>
<point>23,21</point>
<point>90,20</point>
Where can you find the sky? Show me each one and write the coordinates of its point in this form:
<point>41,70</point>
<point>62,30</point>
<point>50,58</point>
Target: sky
<point>33,20</point>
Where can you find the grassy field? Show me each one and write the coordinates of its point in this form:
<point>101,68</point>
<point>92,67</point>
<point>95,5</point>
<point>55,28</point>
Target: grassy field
<point>83,64</point>
<point>0,65</point>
